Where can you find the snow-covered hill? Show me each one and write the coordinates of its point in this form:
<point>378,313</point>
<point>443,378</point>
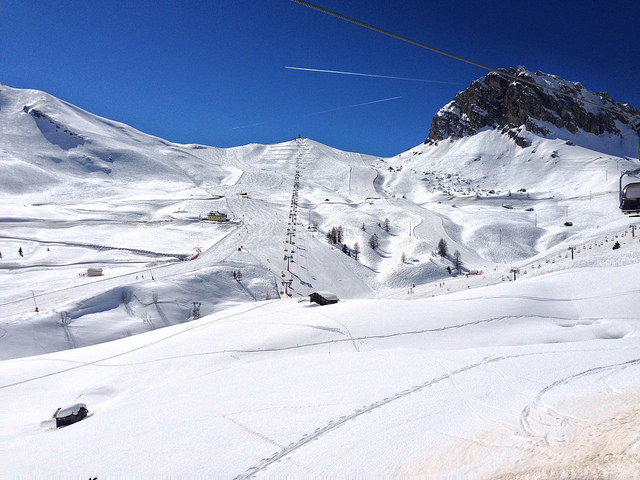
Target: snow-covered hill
<point>196,357</point>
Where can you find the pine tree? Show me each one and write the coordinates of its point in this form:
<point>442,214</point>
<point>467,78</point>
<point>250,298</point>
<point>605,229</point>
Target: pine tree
<point>332,236</point>
<point>335,235</point>
<point>356,250</point>
<point>385,225</point>
<point>457,260</point>
<point>442,248</point>
<point>373,241</point>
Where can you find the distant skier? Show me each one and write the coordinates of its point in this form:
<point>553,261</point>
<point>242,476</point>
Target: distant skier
<point>20,251</point>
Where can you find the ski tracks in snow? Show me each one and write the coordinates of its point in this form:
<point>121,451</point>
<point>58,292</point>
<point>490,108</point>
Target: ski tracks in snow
<point>475,406</point>
<point>605,447</point>
<point>451,375</point>
<point>544,416</point>
<point>341,421</point>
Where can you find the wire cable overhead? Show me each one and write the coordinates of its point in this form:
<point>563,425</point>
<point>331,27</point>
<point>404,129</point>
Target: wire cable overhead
<point>500,72</point>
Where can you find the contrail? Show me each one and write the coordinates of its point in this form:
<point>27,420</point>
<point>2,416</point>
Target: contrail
<point>249,126</point>
<point>352,106</point>
<point>372,75</point>
<point>324,111</point>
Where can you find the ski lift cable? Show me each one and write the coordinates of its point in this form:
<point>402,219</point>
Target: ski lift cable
<point>391,34</point>
<point>442,52</point>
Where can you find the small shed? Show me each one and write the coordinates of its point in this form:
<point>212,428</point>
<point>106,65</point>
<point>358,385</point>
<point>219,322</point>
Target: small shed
<point>94,272</point>
<point>71,414</point>
<point>323,298</point>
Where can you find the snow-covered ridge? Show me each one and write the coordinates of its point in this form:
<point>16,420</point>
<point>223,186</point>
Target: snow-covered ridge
<point>533,101</point>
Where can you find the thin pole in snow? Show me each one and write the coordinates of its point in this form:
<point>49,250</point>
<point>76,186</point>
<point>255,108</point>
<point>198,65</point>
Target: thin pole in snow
<point>34,300</point>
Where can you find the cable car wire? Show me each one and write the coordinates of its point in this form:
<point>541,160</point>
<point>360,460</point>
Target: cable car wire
<point>502,73</point>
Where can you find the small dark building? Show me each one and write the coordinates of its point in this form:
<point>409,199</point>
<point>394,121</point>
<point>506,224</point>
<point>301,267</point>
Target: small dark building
<point>71,414</point>
<point>323,298</point>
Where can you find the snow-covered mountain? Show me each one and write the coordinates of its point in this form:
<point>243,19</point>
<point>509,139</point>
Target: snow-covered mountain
<point>79,191</point>
<point>222,374</point>
<point>516,100</point>
<point>50,147</point>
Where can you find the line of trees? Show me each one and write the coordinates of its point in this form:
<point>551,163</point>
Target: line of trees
<point>443,250</point>
<point>335,236</point>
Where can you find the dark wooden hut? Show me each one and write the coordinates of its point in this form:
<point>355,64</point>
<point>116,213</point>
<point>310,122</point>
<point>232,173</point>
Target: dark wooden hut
<point>323,298</point>
<point>71,414</point>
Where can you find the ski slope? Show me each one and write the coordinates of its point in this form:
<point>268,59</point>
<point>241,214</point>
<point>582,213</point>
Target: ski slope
<point>508,377</point>
<point>189,369</point>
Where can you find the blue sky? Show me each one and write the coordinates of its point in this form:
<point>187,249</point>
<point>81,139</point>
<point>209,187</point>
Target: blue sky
<point>213,72</point>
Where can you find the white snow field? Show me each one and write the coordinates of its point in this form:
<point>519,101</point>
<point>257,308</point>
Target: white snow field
<point>198,354</point>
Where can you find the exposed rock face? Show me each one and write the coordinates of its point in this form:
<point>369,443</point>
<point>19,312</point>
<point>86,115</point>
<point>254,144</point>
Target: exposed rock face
<point>505,103</point>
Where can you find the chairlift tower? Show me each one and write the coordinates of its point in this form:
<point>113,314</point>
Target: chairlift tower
<point>286,284</point>
<point>196,310</point>
<point>515,271</point>
<point>288,258</point>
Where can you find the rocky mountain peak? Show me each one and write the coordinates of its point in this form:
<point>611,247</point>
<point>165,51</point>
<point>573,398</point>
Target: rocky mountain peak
<point>514,99</point>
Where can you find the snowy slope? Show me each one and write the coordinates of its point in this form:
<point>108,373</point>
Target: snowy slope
<point>500,379</point>
<point>79,191</point>
<point>192,359</point>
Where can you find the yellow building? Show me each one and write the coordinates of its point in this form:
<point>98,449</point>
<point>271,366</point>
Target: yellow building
<point>215,216</point>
